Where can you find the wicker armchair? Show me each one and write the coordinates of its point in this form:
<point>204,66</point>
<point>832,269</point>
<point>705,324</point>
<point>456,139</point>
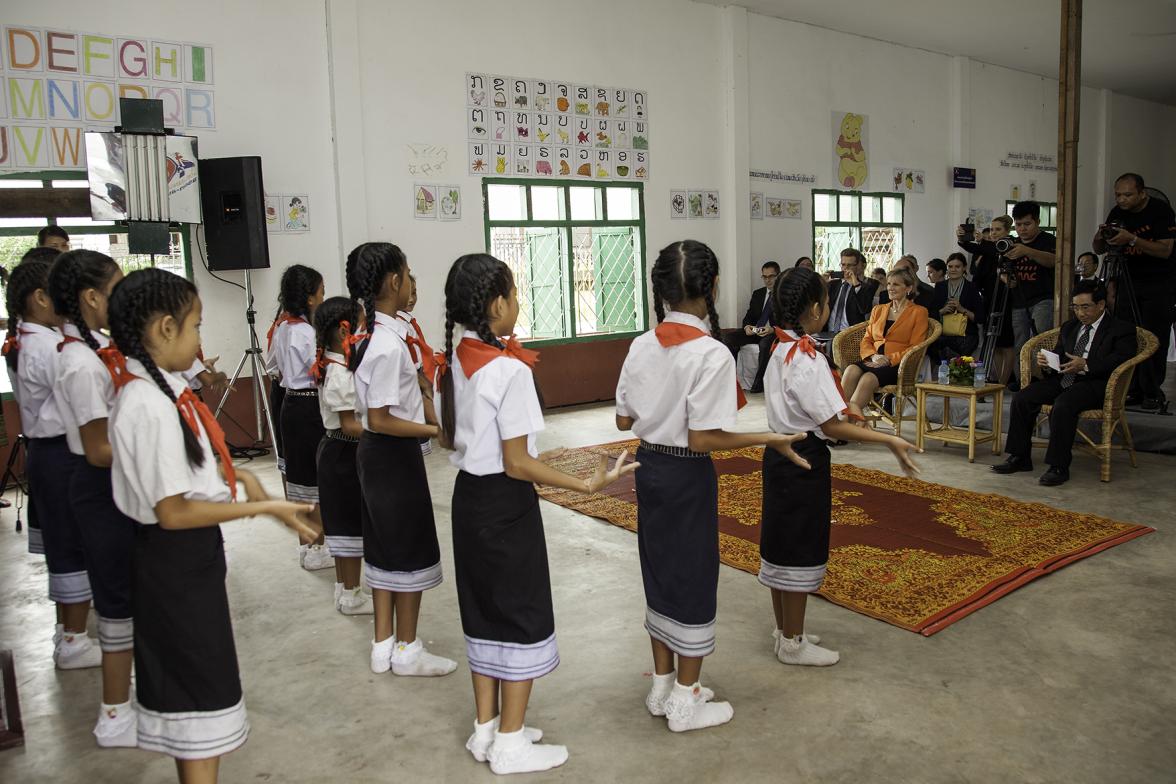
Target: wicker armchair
<point>847,349</point>
<point>1111,416</point>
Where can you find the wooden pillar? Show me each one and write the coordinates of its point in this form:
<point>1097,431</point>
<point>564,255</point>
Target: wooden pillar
<point>1069,98</point>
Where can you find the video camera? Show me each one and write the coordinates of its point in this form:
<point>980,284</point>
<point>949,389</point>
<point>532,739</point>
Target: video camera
<point>969,230</point>
<point>1110,229</point>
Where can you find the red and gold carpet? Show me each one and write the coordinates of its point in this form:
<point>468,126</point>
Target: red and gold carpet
<point>918,555</point>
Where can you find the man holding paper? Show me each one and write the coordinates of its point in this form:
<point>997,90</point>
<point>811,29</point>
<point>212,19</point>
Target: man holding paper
<point>1091,345</point>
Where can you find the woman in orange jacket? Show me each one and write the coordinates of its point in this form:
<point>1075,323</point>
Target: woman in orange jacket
<point>895,327</point>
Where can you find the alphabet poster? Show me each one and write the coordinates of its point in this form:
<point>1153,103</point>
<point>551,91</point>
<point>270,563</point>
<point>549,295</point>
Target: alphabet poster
<point>56,83</point>
<point>521,127</point>
<point>851,158</point>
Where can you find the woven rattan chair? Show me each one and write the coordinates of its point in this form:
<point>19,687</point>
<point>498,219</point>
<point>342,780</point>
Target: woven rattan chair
<point>847,349</point>
<point>1111,416</point>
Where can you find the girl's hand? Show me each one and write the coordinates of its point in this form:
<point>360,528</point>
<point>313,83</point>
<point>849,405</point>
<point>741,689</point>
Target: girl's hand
<point>603,476</point>
<point>253,489</point>
<point>783,444</point>
<point>290,515</point>
<point>551,454</point>
<point>902,449</point>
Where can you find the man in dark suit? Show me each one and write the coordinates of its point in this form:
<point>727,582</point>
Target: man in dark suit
<point>852,297</point>
<point>757,323</point>
<point>1091,345</point>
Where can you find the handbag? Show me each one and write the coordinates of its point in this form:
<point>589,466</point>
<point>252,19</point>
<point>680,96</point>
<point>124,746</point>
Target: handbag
<point>955,325</point>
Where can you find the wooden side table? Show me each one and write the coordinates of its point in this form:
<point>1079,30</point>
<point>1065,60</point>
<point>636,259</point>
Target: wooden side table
<point>958,435</point>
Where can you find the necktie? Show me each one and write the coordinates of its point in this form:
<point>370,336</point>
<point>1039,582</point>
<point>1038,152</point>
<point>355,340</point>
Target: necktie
<point>1068,379</point>
<point>839,319</point>
<point>767,311</point>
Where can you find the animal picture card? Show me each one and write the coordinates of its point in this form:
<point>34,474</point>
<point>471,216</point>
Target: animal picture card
<point>521,94</point>
<point>792,208</point>
<point>710,204</point>
<point>582,162</point>
<point>604,165</point>
<point>620,103</point>
<point>479,159</point>
<point>583,128</point>
<point>908,180</point>
<point>775,207</point>
<point>678,205</point>
<point>563,96</point>
<point>424,201</point>
<point>757,206</point>
<point>450,203</point>
<point>601,101</point>
<point>273,210</point>
<point>583,100</point>
<point>603,134</point>
<point>296,212</point>
<point>563,129</point>
<point>851,146</point>
<point>694,201</point>
<point>521,127</point>
<point>543,127</point>
<point>502,159</point>
<point>544,158</point>
<point>541,97</point>
<point>477,86</point>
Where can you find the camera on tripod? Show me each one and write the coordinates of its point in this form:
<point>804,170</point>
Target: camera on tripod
<point>1004,245</point>
<point>1110,229</point>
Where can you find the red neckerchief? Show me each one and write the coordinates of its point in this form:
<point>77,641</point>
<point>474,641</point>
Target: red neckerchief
<point>808,346</point>
<point>13,341</point>
<point>671,333</point>
<point>66,340</point>
<point>191,408</point>
<point>283,318</point>
<point>418,349</point>
<point>474,354</point>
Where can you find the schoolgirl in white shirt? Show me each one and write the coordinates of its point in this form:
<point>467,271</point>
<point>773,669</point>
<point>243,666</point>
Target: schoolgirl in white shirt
<point>165,445</point>
<point>49,465</point>
<point>803,395</point>
<point>80,283</point>
<point>395,405</point>
<point>336,323</point>
<point>292,349</point>
<point>490,414</point>
<point>678,393</point>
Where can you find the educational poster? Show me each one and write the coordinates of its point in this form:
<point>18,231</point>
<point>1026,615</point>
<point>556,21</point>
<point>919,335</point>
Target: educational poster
<point>775,207</point>
<point>520,127</point>
<point>296,212</point>
<point>980,217</point>
<point>694,204</point>
<point>792,208</point>
<point>424,201</point>
<point>273,207</point>
<point>450,209</point>
<point>851,167</point>
<point>710,205</point>
<point>677,205</point>
<point>908,181</point>
<point>757,206</point>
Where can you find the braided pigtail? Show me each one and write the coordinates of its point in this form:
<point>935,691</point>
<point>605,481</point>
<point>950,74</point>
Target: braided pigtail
<point>448,414</point>
<point>22,284</point>
<point>795,293</point>
<point>374,262</point>
<point>686,270</point>
<point>72,273</point>
<point>137,301</point>
<point>299,284</point>
<point>327,319</point>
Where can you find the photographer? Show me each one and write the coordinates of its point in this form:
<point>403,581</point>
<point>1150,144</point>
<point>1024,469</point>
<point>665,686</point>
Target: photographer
<point>986,275</point>
<point>1033,271</point>
<point>1139,230</point>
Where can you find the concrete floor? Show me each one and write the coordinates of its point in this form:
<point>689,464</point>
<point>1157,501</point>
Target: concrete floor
<point>1071,678</point>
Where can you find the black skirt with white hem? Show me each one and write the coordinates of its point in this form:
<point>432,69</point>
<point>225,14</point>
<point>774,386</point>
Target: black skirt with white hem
<point>797,514</point>
<point>340,496</point>
<point>187,683</point>
<point>503,580</point>
<point>302,429</point>
<point>109,539</point>
<point>678,543</point>
<point>50,467</point>
<point>277,396</point>
<point>400,549</point>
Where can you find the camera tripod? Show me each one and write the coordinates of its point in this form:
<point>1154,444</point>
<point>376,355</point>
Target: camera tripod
<point>19,447</point>
<point>994,324</point>
<point>1115,271</point>
<point>262,414</point>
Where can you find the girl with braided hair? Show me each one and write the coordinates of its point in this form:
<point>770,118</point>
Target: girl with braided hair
<point>424,352</point>
<point>395,405</point>
<point>490,414</point>
<point>80,282</point>
<point>803,395</point>
<point>292,348</point>
<point>678,393</point>
<point>32,351</point>
<point>336,323</point>
<point>166,444</point>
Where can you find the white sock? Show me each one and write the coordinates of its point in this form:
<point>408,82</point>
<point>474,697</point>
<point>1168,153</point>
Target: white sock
<point>686,710</point>
<point>514,752</point>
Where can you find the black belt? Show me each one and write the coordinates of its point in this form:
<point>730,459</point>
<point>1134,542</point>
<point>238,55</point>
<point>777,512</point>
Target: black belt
<point>673,451</point>
<point>339,435</point>
<point>302,392</point>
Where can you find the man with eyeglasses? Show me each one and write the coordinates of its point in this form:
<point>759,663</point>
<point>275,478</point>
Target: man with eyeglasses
<point>852,297</point>
<point>757,325</point>
<point>1090,346</point>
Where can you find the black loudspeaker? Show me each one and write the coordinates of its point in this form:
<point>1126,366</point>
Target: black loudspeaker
<point>232,199</point>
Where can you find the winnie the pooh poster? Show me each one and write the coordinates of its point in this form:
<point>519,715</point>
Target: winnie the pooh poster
<point>851,168</point>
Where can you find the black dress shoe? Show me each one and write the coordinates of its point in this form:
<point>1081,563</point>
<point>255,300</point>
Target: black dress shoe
<point>1150,404</point>
<point>1013,465</point>
<point>759,390</point>
<point>1055,476</point>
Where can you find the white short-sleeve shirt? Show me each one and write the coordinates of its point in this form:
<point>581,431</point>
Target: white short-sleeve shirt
<point>499,403</point>
<point>293,352</point>
<point>387,376</point>
<point>83,388</point>
<point>670,391</point>
<point>337,392</point>
<point>800,395</point>
<point>36,372</point>
<point>147,439</point>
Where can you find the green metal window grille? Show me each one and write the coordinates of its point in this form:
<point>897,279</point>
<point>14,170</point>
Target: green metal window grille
<point>1049,215</point>
<point>576,251</point>
<point>870,222</point>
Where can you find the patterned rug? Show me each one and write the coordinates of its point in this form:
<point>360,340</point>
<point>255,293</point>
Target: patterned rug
<point>914,554</point>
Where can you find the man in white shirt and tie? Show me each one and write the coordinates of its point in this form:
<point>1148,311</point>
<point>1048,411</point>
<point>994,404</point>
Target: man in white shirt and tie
<point>852,297</point>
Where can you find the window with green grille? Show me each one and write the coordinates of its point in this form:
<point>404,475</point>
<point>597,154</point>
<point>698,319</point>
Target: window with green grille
<point>870,222</point>
<point>577,255</point>
<point>1048,217</point>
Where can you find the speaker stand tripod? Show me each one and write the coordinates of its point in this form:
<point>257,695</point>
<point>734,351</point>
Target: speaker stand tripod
<point>19,447</point>
<point>262,414</point>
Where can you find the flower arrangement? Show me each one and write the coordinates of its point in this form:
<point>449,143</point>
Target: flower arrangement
<point>961,371</point>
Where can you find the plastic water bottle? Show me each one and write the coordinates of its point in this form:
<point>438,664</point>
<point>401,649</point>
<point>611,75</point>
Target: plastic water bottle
<point>943,375</point>
<point>979,379</point>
